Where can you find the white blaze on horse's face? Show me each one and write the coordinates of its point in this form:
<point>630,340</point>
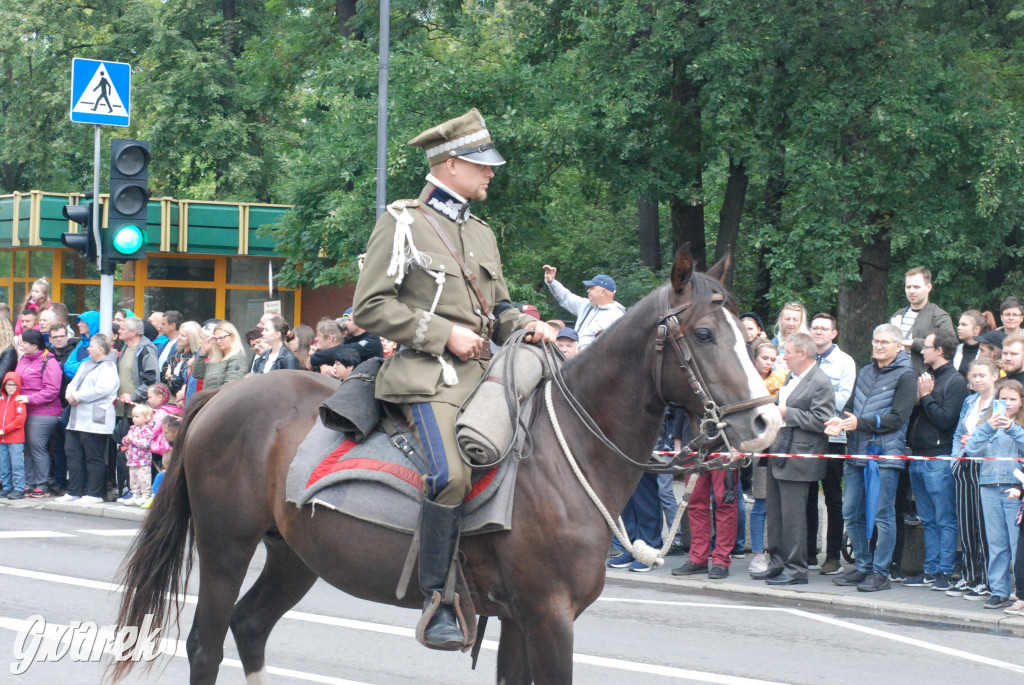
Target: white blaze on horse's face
<point>768,413</point>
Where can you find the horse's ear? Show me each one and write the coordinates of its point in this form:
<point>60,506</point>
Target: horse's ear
<point>682,268</point>
<point>721,268</point>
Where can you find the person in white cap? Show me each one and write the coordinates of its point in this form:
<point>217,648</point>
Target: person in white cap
<point>430,277</point>
<point>595,312</point>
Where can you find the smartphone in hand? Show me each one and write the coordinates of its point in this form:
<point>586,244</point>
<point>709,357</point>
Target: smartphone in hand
<point>999,407</point>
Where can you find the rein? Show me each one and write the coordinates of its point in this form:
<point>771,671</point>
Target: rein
<point>692,458</point>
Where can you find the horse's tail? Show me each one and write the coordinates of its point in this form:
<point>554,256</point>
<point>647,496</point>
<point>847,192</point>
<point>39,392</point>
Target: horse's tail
<point>158,564</point>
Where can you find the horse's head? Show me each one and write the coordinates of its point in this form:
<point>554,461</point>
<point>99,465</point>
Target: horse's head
<point>703,361</point>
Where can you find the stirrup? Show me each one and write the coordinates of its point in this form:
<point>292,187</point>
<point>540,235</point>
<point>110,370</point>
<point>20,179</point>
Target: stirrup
<point>429,611</point>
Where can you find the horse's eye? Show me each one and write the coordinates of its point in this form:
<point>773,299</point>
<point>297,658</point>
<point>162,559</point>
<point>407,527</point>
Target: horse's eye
<point>704,335</point>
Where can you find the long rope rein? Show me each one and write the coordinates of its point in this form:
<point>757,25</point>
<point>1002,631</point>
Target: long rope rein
<point>640,550</point>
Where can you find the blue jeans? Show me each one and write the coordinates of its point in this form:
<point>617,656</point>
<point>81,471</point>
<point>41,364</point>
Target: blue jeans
<point>885,518</point>
<point>669,505</point>
<point>642,515</point>
<point>758,513</point>
<point>934,492</point>
<point>1000,516</point>
<point>741,516</point>
<point>12,466</point>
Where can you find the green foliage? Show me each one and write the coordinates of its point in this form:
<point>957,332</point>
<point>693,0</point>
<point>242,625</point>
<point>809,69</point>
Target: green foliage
<point>893,120</point>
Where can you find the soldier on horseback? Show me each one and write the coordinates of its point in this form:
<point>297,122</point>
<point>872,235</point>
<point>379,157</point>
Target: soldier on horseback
<point>431,274</point>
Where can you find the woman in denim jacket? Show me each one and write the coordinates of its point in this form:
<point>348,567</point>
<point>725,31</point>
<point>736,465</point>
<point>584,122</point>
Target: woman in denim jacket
<point>1001,437</point>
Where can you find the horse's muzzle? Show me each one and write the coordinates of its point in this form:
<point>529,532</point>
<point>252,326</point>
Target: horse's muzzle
<point>757,427</point>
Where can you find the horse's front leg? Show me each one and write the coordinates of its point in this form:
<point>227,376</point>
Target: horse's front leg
<point>548,628</point>
<point>513,658</point>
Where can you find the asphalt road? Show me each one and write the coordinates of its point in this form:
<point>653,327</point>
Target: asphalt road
<point>60,566</point>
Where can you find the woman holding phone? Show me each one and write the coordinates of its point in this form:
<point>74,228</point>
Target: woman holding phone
<point>1001,437</point>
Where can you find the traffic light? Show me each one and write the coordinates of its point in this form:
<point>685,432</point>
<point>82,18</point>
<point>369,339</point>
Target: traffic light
<point>84,242</point>
<point>125,238</point>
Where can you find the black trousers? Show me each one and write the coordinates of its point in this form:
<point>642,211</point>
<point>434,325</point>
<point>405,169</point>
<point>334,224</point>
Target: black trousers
<point>971,522</point>
<point>787,525</point>
<point>832,486</point>
<point>87,469</point>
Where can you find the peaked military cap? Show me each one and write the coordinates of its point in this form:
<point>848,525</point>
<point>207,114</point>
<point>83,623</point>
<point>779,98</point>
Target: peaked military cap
<point>465,137</point>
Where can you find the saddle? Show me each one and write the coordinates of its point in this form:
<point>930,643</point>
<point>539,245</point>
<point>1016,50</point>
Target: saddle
<point>379,481</point>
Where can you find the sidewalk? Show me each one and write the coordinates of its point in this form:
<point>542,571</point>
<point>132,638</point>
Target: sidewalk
<point>920,604</point>
<point>110,510</point>
<point>915,603</point>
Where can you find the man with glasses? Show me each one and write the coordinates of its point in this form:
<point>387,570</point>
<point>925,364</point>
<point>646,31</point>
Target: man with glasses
<point>941,393</point>
<point>876,417</point>
<point>842,371</point>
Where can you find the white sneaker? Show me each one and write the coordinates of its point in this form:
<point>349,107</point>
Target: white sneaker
<point>129,502</point>
<point>760,563</point>
<point>138,501</point>
<point>90,499</point>
<point>68,498</point>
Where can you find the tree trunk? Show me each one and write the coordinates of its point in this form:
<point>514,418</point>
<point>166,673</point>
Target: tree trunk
<point>862,303</point>
<point>648,232</point>
<point>343,11</point>
<point>688,204</point>
<point>227,8</point>
<point>688,226</point>
<point>732,212</point>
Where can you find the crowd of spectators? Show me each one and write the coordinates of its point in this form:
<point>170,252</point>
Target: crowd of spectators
<point>952,395</point>
<point>90,418</point>
<point>84,417</point>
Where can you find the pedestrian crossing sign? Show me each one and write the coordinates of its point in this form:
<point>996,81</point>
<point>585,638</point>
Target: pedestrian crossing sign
<point>100,92</point>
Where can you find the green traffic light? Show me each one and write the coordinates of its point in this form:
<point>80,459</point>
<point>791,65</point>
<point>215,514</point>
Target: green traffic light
<point>128,239</point>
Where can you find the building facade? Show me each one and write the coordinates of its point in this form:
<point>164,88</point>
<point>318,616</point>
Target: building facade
<point>204,259</point>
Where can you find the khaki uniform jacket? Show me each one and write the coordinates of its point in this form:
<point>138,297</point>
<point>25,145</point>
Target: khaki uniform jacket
<point>402,312</point>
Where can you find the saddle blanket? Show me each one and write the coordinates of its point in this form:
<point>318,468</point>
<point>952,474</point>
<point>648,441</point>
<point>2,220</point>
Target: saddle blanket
<point>375,481</point>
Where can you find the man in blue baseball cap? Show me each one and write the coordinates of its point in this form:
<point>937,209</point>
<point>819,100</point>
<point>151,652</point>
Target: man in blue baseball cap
<point>595,312</point>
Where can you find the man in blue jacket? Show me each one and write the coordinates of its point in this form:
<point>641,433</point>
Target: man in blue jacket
<point>876,421</point>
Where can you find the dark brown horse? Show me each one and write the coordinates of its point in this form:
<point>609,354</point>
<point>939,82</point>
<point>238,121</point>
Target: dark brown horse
<point>224,493</point>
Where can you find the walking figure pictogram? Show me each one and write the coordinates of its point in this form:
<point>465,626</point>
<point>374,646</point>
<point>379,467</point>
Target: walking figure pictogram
<point>104,88</point>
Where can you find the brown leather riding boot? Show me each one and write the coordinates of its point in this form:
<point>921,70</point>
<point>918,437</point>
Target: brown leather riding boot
<point>439,542</point>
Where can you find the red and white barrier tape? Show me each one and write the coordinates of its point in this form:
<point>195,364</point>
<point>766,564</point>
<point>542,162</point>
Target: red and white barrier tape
<point>906,457</point>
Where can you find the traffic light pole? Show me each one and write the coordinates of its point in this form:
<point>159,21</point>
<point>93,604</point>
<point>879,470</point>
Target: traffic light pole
<point>106,279</point>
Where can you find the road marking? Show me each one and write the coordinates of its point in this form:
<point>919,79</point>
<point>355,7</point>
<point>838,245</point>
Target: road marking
<point>113,532</point>
<point>839,623</point>
<point>20,534</point>
<point>175,648</point>
<point>400,631</point>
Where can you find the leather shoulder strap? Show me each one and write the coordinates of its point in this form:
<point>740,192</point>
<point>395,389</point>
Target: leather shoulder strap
<point>469,275</point>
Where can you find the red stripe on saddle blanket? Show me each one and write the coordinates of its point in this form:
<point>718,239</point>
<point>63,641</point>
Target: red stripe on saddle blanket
<point>335,461</point>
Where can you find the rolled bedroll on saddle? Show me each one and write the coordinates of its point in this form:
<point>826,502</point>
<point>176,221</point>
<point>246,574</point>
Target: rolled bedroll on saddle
<point>485,426</point>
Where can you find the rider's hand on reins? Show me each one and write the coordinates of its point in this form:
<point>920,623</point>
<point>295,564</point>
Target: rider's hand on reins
<point>539,332</point>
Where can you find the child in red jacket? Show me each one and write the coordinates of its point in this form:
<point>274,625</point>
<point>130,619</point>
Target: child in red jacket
<point>12,438</point>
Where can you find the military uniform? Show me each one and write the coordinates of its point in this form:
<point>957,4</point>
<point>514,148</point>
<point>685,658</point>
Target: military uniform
<point>413,291</point>
<point>405,312</point>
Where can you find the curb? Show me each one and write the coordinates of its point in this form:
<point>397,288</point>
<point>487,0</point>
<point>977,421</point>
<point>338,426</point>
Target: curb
<point>966,619</point>
<point>105,510</point>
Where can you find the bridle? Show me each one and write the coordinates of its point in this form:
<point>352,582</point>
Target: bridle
<point>693,456</point>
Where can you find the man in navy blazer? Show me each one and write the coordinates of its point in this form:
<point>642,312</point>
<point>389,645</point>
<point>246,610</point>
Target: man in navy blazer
<point>806,401</point>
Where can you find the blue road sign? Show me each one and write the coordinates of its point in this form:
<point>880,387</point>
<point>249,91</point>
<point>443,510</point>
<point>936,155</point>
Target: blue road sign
<point>101,92</point>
